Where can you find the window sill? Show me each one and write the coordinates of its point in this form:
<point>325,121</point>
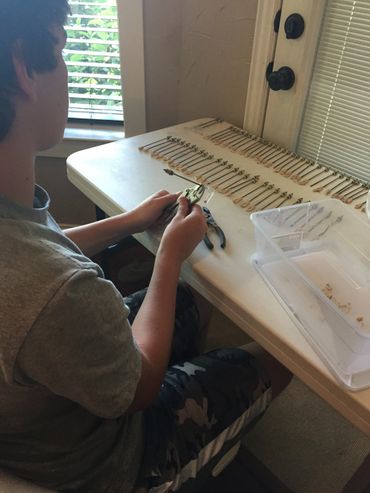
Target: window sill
<point>78,136</point>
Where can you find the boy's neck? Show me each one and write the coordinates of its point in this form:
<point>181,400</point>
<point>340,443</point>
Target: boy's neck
<point>17,172</point>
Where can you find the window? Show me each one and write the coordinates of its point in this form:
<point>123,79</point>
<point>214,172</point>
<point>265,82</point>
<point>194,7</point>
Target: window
<point>336,123</point>
<point>93,61</point>
<point>326,115</point>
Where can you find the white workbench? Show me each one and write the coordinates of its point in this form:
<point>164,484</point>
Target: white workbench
<point>117,177</point>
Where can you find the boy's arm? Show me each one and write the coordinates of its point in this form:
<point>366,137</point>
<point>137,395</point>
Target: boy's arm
<point>153,325</point>
<point>81,346</point>
<point>94,237</point>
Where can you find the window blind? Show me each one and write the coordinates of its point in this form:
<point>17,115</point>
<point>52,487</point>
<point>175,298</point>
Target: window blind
<point>92,58</point>
<point>336,125</point>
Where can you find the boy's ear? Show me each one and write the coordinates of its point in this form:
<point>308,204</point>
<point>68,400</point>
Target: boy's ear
<point>26,80</point>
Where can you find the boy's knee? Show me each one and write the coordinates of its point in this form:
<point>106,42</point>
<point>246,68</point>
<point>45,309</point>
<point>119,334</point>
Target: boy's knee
<point>280,375</point>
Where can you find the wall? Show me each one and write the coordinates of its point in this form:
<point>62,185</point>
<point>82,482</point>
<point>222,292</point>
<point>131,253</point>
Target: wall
<point>197,59</point>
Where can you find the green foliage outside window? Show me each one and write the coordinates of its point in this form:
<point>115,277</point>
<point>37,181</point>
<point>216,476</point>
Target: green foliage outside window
<point>92,57</point>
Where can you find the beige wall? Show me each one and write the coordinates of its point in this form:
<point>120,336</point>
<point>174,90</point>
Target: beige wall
<point>197,59</point>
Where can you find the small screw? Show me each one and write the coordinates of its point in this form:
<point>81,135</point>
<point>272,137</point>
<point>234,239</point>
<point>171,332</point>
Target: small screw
<point>274,192</point>
<point>319,222</point>
<point>328,192</point>
<point>215,164</point>
<point>210,123</point>
<point>220,132</point>
<point>152,144</point>
<point>265,184</point>
<point>237,188</point>
<point>237,173</point>
<point>247,139</point>
<point>229,166</point>
<point>247,184</point>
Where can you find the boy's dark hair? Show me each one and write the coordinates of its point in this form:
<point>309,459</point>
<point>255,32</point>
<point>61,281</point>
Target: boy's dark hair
<point>25,27</point>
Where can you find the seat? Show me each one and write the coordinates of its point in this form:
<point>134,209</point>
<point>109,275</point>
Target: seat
<point>12,484</point>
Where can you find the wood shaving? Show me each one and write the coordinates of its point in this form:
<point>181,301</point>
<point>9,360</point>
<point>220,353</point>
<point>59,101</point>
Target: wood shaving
<point>344,307</point>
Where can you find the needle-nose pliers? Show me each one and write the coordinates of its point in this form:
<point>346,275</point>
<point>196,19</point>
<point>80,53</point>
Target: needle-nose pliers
<point>211,222</point>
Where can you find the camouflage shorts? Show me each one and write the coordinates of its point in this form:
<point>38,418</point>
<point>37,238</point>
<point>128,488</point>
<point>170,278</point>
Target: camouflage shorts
<point>206,404</point>
<point>186,331</point>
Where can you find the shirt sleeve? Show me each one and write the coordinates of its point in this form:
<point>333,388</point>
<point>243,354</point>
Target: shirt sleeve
<point>81,347</point>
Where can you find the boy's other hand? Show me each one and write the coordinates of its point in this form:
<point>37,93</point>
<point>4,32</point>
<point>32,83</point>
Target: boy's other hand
<point>148,212</point>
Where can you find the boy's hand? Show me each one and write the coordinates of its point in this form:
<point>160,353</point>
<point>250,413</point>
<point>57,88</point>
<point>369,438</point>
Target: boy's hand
<point>184,232</point>
<point>146,214</point>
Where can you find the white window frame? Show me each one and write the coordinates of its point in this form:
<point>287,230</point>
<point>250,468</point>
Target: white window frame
<point>281,112</point>
<point>79,136</point>
<point>131,28</point>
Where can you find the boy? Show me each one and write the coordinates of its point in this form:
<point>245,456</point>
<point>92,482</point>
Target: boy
<point>88,402</point>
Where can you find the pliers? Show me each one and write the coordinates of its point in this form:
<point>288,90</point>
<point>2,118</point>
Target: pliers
<point>211,222</point>
<point>193,194</point>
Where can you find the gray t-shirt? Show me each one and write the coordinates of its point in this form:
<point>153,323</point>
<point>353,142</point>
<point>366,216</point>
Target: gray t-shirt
<point>68,364</point>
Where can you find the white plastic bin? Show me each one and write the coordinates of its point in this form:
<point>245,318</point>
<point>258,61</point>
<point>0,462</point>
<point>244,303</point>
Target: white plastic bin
<point>316,259</point>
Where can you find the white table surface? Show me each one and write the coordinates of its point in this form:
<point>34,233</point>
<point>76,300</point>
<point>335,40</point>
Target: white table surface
<point>117,177</point>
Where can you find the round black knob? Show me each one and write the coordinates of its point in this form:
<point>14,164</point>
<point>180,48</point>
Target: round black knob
<point>294,26</point>
<point>282,79</point>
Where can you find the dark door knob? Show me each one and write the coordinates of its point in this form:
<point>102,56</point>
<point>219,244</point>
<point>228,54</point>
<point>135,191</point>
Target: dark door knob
<point>282,79</point>
<point>294,26</point>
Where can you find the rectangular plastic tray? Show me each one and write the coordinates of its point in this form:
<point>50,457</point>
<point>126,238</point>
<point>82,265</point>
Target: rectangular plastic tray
<point>316,259</point>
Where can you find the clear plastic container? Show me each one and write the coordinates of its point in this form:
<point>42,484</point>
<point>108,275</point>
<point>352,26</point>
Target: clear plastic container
<point>316,259</point>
